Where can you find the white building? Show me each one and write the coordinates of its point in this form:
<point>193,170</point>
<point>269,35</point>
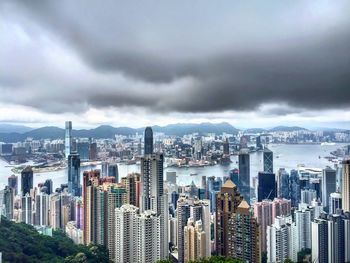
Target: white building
<point>303,217</point>
<point>74,233</point>
<point>281,242</point>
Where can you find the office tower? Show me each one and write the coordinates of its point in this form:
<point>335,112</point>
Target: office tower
<point>213,188</point>
<point>104,169</point>
<point>74,174</point>
<point>67,208</point>
<point>153,196</point>
<point>339,174</point>
<point>228,200</point>
<point>259,145</point>
<point>13,183</point>
<point>268,160</point>
<point>280,240</point>
<point>26,180</point>
<point>171,177</point>
<point>243,230</point>
<point>93,151</point>
<point>113,171</point>
<point>79,216</point>
<point>303,217</point>
<point>267,186</point>
<point>345,189</point>
<point>27,206</point>
<point>283,189</point>
<point>328,185</point>
<point>55,211</point>
<point>307,195</point>
<point>234,176</point>
<point>148,141</point>
<point>137,236</point>
<point>226,147</point>
<point>173,231</point>
<point>319,247</point>
<point>334,203</point>
<point>42,201</point>
<point>244,174</point>
<point>83,149</point>
<point>338,232</point>
<point>91,179</point>
<point>195,241</point>
<point>196,209</point>
<point>8,202</point>
<point>204,182</point>
<point>294,188</point>
<point>132,184</point>
<point>174,197</point>
<point>49,186</point>
<point>68,139</point>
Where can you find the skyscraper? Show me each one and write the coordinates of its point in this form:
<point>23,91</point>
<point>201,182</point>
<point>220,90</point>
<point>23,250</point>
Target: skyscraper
<point>335,203</point>
<point>345,190</point>
<point>195,241</point>
<point>26,180</point>
<point>13,183</point>
<point>244,174</point>
<point>329,182</point>
<point>283,189</point>
<point>74,174</point>
<point>148,141</point>
<point>42,209</point>
<point>8,201</point>
<point>113,171</point>
<point>303,217</point>
<point>294,187</point>
<point>319,229</point>
<point>267,186</point>
<point>268,160</point>
<point>68,139</point>
<point>197,210</point>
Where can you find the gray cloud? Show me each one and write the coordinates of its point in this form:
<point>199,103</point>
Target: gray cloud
<point>196,57</point>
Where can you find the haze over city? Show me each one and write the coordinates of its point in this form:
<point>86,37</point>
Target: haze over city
<point>256,64</point>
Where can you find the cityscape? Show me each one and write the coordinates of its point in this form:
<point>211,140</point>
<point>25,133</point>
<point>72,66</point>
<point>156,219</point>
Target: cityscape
<point>175,131</point>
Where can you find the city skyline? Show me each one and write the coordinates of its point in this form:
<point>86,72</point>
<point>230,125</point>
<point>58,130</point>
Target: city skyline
<point>268,64</point>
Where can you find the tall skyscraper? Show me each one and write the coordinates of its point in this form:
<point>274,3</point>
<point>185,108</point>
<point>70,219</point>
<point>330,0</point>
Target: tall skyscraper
<point>294,188</point>
<point>267,186</point>
<point>227,202</point>
<point>113,171</point>
<point>283,188</point>
<point>281,238</point>
<point>308,195</point>
<point>137,236</point>
<point>68,139</point>
<point>303,217</point>
<point>345,190</point>
<point>268,160</point>
<point>148,141</point>
<point>8,201</point>
<point>197,210</point>
<point>42,201</point>
<point>27,206</point>
<point>243,230</point>
<point>13,183</point>
<point>26,180</point>
<point>195,241</point>
<point>244,174</point>
<point>319,249</point>
<point>74,186</point>
<point>329,186</point>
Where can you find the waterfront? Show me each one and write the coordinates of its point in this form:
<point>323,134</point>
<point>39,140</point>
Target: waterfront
<point>285,155</point>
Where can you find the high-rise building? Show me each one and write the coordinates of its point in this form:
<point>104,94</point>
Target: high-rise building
<point>244,236</point>
<point>244,174</point>
<point>137,236</point>
<point>345,189</point>
<point>171,177</point>
<point>49,186</point>
<point>329,186</point>
<point>267,186</point>
<point>27,209</point>
<point>283,189</point>
<point>281,238</point>
<point>148,141</point>
<point>303,217</point>
<point>83,149</point>
<point>295,188</point>
<point>195,241</point>
<point>55,211</point>
<point>308,195</point>
<point>74,186</point>
<point>197,210</point>
<point>93,151</point>
<point>319,247</point>
<point>113,171</point>
<point>334,203</point>
<point>68,139</point>
<point>13,183</point>
<point>132,184</point>
<point>226,147</point>
<point>268,160</point>
<point>26,180</point>
<point>42,201</point>
<point>8,201</point>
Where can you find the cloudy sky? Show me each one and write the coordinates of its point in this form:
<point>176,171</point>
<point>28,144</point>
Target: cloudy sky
<point>135,63</point>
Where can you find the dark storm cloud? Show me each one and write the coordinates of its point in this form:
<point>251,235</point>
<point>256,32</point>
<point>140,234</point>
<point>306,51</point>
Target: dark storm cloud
<point>202,57</point>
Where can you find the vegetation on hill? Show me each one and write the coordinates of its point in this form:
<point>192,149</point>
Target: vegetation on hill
<point>22,243</point>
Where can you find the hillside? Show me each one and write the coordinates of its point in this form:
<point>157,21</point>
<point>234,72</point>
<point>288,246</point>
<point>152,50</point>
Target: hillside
<point>22,243</point>
<point>106,131</point>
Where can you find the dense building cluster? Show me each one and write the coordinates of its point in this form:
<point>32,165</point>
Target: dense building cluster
<point>147,216</point>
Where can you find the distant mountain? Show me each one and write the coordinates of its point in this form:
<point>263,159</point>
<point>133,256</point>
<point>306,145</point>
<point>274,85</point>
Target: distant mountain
<point>106,131</point>
<point>287,129</point>
<point>255,130</point>
<point>11,128</point>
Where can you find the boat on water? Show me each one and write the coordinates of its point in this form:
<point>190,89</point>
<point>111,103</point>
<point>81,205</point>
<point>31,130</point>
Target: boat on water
<point>193,174</point>
<point>327,143</point>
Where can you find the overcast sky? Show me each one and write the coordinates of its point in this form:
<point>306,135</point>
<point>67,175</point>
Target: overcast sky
<point>136,63</point>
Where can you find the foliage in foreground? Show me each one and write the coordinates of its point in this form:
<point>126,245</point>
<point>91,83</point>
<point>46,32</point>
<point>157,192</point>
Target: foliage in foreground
<point>22,243</point>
